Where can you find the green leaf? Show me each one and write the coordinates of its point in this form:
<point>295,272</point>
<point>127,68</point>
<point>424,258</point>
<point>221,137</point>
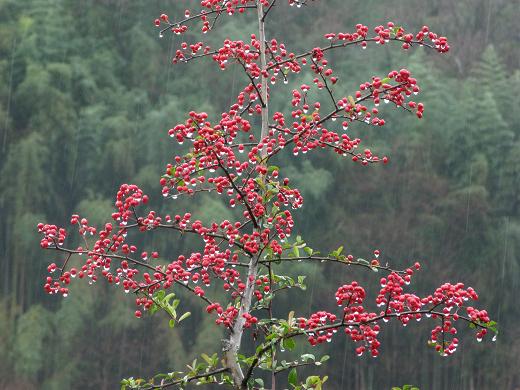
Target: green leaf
<point>308,250</point>
<point>168,297</point>
<point>159,295</point>
<point>184,316</point>
<point>308,356</point>
<point>290,318</point>
<point>289,344</point>
<point>176,303</point>
<point>172,323</point>
<point>293,377</point>
<point>207,358</point>
<point>260,382</point>
<point>296,251</point>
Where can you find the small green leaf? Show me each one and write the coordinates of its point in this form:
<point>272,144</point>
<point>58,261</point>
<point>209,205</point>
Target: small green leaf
<point>159,295</point>
<point>207,358</point>
<point>290,318</point>
<point>308,356</point>
<point>172,323</point>
<point>168,297</point>
<point>308,250</point>
<point>289,344</point>
<point>176,303</point>
<point>184,316</point>
<point>293,377</point>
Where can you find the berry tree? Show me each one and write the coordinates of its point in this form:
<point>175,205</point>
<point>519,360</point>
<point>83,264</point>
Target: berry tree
<point>232,156</point>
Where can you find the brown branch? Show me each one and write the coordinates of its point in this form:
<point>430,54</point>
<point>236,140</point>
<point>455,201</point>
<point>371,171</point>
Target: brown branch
<point>198,16</point>
<point>333,260</point>
<point>344,44</point>
<point>189,379</point>
<point>246,203</point>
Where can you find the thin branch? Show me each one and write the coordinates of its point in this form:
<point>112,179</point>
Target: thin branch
<point>344,44</point>
<point>188,379</point>
<point>198,16</point>
<point>267,10</point>
<point>246,203</point>
<point>333,260</point>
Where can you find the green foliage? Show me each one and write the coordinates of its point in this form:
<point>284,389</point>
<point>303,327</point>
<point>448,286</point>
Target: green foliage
<point>405,387</point>
<point>31,343</point>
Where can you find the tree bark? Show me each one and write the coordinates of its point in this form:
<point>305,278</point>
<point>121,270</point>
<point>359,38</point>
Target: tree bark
<point>231,346</point>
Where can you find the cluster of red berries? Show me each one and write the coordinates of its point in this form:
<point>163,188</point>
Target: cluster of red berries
<point>316,327</point>
<point>363,326</point>
<point>52,235</point>
<point>128,197</point>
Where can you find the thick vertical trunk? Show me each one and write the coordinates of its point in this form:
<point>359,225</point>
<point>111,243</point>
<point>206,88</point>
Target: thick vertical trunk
<point>232,344</point>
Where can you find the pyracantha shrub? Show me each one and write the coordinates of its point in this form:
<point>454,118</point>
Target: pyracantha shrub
<point>231,157</point>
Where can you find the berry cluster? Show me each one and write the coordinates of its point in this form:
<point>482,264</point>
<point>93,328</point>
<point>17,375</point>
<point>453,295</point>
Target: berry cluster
<point>362,326</point>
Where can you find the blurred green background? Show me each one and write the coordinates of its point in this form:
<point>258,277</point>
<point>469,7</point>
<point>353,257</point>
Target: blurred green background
<point>87,94</point>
